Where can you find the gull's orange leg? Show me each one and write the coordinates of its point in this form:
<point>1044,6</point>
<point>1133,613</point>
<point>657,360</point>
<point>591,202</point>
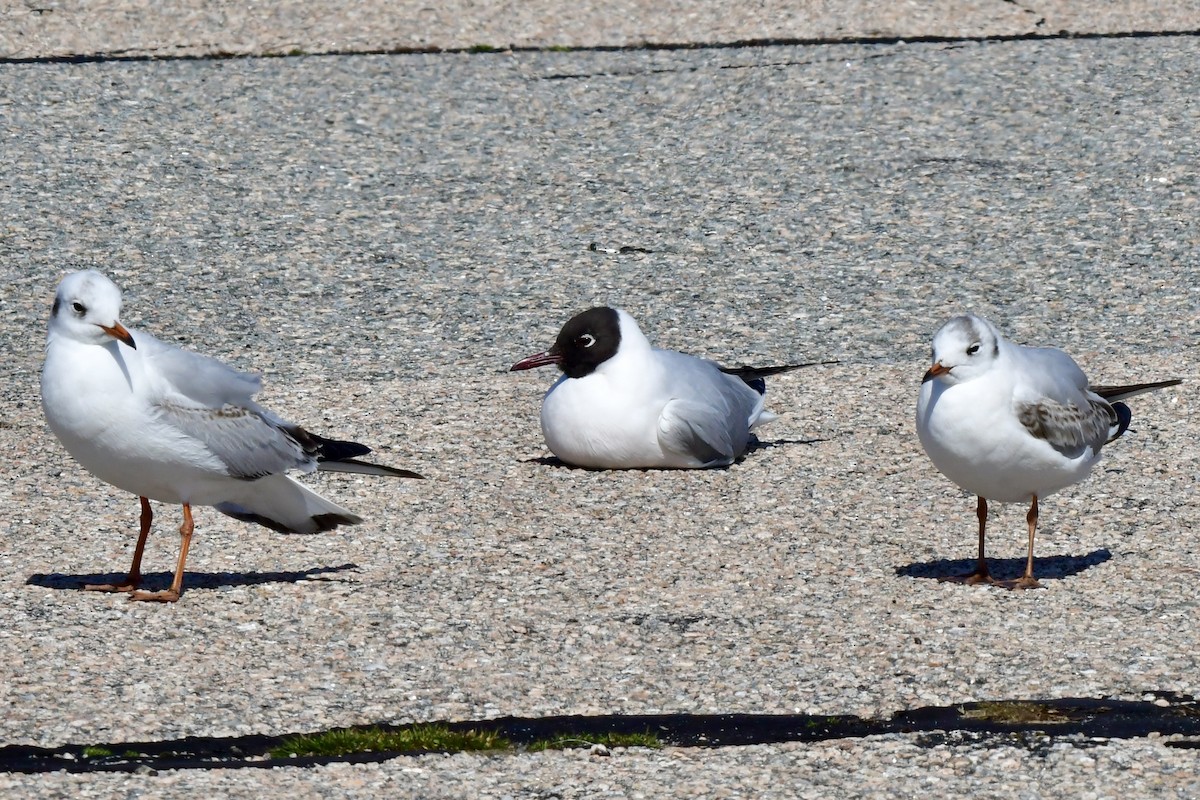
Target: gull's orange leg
<point>1027,581</point>
<point>172,594</point>
<point>134,578</point>
<point>981,574</point>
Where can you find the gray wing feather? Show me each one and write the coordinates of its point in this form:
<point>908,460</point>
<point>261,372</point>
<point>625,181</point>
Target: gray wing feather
<point>203,380</point>
<point>212,403</point>
<point>1052,374</point>
<point>710,417</point>
<point>1056,406</point>
<point>697,430</point>
<point>1069,428</point>
<point>247,444</point>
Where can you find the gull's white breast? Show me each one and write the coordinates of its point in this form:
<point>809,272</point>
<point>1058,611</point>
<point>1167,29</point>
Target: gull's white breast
<point>98,401</point>
<point>973,436</point>
<point>592,422</point>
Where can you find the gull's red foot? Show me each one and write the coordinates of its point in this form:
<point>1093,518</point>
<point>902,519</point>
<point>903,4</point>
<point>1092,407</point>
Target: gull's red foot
<point>1024,582</point>
<point>974,579</point>
<point>165,596</point>
<point>125,586</point>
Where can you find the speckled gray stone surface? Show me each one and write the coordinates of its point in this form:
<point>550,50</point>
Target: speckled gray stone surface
<point>173,28</point>
<point>382,237</point>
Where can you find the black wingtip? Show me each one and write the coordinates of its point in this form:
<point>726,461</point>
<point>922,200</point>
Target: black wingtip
<point>1124,417</point>
<point>335,455</point>
<point>337,450</point>
<point>323,522</point>
<point>748,373</point>
<point>754,376</point>
<point>1113,393</point>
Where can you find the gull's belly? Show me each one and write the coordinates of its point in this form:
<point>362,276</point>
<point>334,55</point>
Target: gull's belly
<point>589,427</point>
<point>114,435</point>
<point>975,440</point>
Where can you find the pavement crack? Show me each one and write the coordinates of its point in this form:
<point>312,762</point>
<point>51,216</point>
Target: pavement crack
<point>1038,23</point>
<point>139,55</point>
<point>1030,724</point>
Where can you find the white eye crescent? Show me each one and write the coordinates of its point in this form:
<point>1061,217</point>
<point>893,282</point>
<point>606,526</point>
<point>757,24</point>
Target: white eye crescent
<point>587,340</point>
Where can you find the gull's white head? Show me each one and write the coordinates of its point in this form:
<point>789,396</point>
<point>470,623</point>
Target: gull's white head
<point>87,308</point>
<point>964,348</point>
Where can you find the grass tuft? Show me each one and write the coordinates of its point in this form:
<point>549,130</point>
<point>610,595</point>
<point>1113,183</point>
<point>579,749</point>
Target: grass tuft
<point>417,738</point>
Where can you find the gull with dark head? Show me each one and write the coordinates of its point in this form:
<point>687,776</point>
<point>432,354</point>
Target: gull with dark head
<point>623,404</point>
<point>1013,424</point>
<point>178,427</point>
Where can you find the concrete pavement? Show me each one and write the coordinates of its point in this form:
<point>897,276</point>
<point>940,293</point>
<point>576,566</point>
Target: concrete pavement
<point>66,28</point>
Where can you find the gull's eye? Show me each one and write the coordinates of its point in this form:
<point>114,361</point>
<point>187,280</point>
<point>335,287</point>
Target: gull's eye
<point>79,308</point>
<point>973,349</point>
<point>585,340</point>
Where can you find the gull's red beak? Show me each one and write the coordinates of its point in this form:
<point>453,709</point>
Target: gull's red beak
<point>118,332</point>
<point>934,371</point>
<point>539,360</point>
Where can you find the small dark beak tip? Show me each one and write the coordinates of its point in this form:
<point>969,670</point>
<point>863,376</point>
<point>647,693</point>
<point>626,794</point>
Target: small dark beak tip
<point>120,333</point>
<point>935,371</point>
<point>538,360</point>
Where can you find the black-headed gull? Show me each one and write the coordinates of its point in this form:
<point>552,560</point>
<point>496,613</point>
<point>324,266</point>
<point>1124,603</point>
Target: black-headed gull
<point>622,404</point>
<point>178,427</point>
<point>1011,423</point>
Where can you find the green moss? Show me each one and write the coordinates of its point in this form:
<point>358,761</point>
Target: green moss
<point>96,751</point>
<point>440,739</point>
<point>417,738</point>
<point>483,48</point>
<point>1016,713</point>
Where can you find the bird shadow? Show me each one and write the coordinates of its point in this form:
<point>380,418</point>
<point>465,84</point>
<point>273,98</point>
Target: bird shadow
<point>757,444</point>
<point>1053,568</point>
<point>154,581</point>
<point>553,461</point>
<point>752,446</point>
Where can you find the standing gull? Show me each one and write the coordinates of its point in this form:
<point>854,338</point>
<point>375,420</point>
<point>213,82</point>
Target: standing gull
<point>622,404</point>
<point>178,427</point>
<point>1011,423</point>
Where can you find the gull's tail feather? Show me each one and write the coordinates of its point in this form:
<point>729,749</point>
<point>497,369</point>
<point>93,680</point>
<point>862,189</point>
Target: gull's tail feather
<point>1115,393</point>
<point>748,373</point>
<point>364,468</point>
<point>334,455</point>
<point>754,376</point>
<point>281,504</point>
